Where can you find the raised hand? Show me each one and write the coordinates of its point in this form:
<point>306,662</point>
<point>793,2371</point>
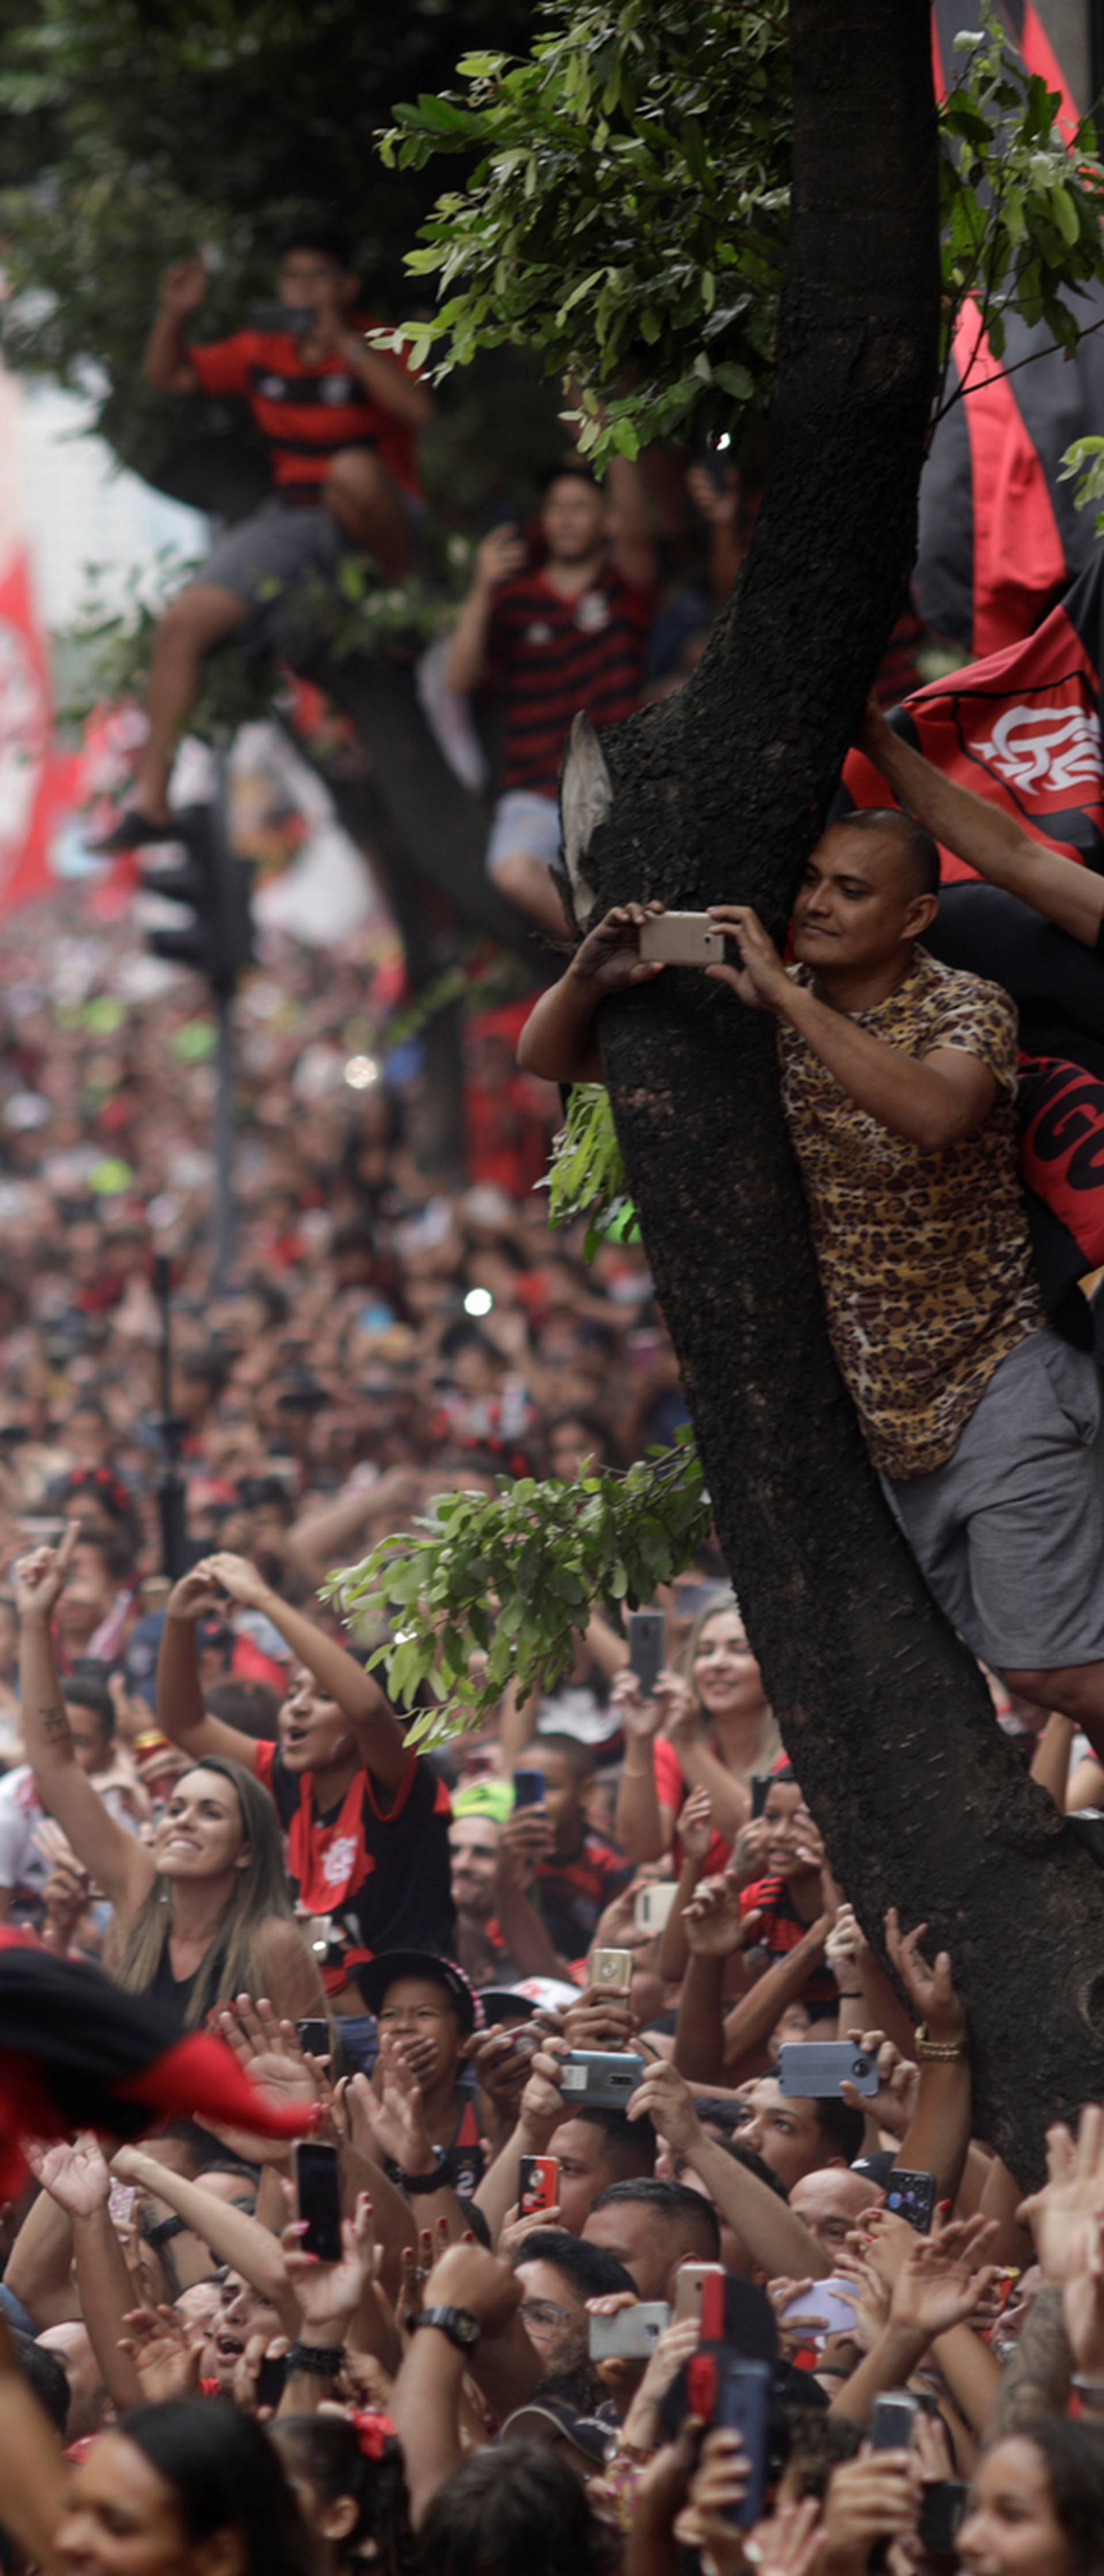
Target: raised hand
<point>1073,2195</point>
<point>931,1991</point>
<point>695,1825</point>
<point>715,1927</point>
<point>760,979</point>
<point>502,553</point>
<point>944,2279</point>
<point>183,287</point>
<point>610,956</point>
<point>75,2176</point>
<point>641,1718</point>
<point>1083,2299</point>
<point>872,2498</point>
<point>196,1596</point>
<point>165,2353</point>
<point>666,2097</point>
<point>846,1948</point>
<point>789,2543</point>
<point>236,1576</point>
<point>892,2106</point>
<point>328,2295</point>
<point>39,1579</point>
<point>526,1839</point>
<point>717,2488</point>
<point>395,2116</point>
<point>268,2050</point>
<point>468,2277</point>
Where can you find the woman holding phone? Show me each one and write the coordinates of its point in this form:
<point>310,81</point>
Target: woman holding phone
<point>708,1726</point>
<point>202,1913</point>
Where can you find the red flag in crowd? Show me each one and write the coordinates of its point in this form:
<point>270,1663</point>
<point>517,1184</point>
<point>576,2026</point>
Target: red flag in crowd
<point>1000,535</point>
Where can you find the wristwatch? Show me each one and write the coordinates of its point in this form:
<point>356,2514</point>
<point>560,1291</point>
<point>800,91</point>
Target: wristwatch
<point>458,2324</point>
<point>438,2178</point>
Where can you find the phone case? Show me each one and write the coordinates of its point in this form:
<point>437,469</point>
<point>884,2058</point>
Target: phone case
<point>683,939</point>
<point>605,2077</point>
<point>652,1906</point>
<point>647,1630</point>
<point>912,2196</point>
<point>538,2183</point>
<point>631,2334</point>
<point>817,2067</point>
<point>613,1969</point>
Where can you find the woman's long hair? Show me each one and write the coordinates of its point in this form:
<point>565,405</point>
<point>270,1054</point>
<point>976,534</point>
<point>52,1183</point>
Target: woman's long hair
<point>225,2476</point>
<point>260,1891</point>
<point>1073,2456</point>
<point>769,1745</point>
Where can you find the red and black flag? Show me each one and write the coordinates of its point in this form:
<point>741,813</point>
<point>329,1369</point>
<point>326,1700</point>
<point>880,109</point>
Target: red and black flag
<point>1022,729</point>
<point>76,2052</point>
<point>1000,536</point>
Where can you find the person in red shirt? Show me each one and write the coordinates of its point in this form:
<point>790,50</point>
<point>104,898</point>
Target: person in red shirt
<point>567,635</point>
<point>341,420</point>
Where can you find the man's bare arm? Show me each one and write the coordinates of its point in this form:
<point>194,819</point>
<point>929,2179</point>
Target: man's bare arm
<point>986,838</point>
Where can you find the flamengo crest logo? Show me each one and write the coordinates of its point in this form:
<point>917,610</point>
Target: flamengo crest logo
<point>1045,750</point>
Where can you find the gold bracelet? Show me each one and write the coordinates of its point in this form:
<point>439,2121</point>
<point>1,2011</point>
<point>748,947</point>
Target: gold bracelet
<point>940,2050</point>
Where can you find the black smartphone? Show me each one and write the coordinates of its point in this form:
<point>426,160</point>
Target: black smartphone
<point>727,2390</point>
<point>318,2199</point>
<point>528,1789</point>
<point>647,1631</point>
<point>760,1791</point>
<point>270,2379</point>
<point>313,2037</point>
<point>892,2420</point>
<point>942,2507</point>
<point>911,2196</point>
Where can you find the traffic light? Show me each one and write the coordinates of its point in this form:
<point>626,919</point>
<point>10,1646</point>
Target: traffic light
<point>215,886</point>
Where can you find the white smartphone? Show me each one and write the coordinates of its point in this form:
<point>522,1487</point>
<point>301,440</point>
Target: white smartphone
<point>652,1905</point>
<point>683,939</point>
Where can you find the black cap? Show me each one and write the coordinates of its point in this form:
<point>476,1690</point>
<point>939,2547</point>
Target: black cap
<point>379,1974</point>
<point>548,2416</point>
<point>499,2002</point>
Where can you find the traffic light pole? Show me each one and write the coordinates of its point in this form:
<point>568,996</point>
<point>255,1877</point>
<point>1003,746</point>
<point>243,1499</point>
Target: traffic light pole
<point>224,1144</point>
<point>224,990</point>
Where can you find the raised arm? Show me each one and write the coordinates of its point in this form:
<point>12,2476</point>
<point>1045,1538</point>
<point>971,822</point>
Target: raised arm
<point>777,2240</point>
<point>180,1710</point>
<point>938,2137</point>
<point>165,362</point>
<point>558,1038</point>
<point>501,554</point>
<point>338,1674</point>
<point>116,1860</point>
<point>986,838</point>
<point>34,2474</point>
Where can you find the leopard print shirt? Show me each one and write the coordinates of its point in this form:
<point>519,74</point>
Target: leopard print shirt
<point>924,1258</point>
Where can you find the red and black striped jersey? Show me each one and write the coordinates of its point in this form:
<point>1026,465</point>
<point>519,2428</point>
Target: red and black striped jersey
<point>306,412</point>
<point>554,657</point>
<point>378,1863</point>
<point>779,1932</point>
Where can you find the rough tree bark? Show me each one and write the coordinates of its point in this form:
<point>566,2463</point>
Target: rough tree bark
<point>721,794</point>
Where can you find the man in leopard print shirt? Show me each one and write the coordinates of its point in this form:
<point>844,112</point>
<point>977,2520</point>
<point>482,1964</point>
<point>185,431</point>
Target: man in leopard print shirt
<point>899,1079</point>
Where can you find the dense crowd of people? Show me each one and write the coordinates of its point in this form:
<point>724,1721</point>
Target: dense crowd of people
<point>638,2216</point>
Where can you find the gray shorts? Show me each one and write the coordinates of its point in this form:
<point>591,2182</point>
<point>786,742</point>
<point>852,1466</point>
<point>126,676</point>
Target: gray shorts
<point>271,560</point>
<point>1010,1533</point>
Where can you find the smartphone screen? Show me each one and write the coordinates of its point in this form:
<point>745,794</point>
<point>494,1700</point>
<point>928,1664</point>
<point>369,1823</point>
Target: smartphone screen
<point>911,2196</point>
<point>892,2421</point>
<point>313,2037</point>
<point>647,1630</point>
<point>318,2191</point>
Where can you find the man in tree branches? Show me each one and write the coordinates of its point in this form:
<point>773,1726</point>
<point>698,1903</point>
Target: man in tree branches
<point>899,1083</point>
<point>341,421</point>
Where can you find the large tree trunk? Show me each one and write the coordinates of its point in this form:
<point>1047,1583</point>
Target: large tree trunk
<point>721,794</point>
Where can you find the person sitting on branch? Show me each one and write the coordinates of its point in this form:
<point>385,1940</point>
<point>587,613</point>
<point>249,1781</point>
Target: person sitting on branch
<point>340,419</point>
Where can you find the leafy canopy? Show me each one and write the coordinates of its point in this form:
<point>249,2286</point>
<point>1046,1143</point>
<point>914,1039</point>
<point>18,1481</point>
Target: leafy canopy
<point>627,214</point>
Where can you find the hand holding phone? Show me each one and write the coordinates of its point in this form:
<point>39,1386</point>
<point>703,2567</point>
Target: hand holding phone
<point>318,2199</point>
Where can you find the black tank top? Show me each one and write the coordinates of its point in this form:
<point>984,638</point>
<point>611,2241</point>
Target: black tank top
<point>175,1993</point>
